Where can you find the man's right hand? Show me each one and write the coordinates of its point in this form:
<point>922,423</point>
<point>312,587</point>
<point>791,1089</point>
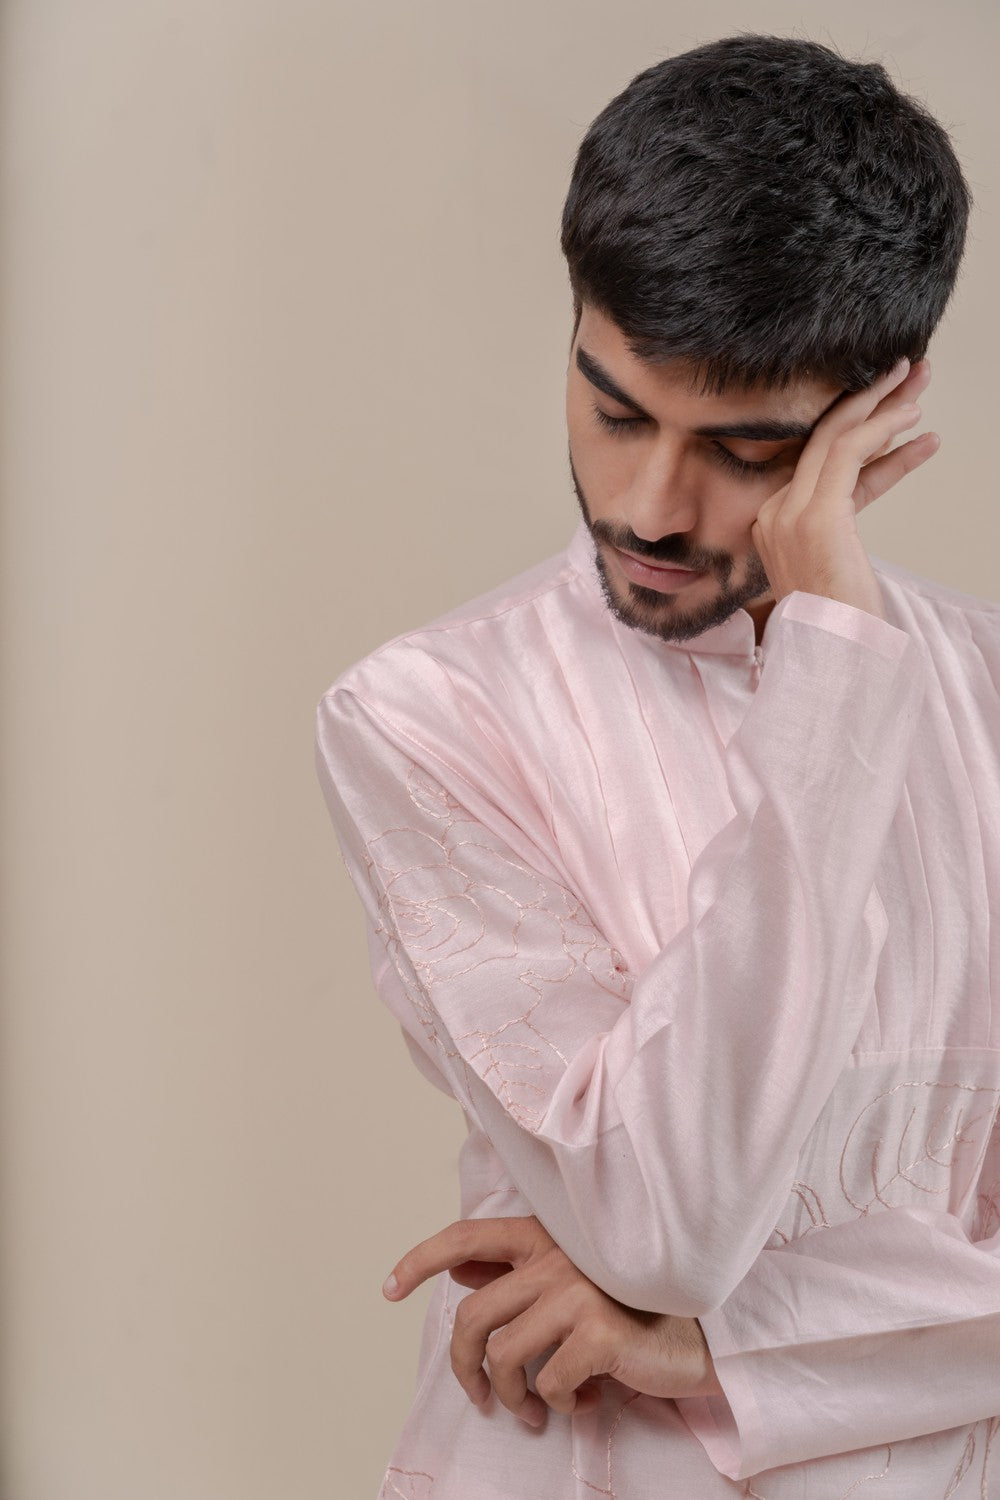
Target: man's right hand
<point>805,532</point>
<point>529,1290</point>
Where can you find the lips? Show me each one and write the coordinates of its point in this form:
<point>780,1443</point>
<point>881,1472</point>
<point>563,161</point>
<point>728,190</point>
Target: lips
<point>661,567</point>
<point>657,576</point>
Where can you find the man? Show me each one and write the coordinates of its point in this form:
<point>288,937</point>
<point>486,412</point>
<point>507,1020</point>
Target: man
<point>680,852</point>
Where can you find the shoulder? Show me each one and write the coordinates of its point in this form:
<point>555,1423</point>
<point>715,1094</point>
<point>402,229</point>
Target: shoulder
<point>958,632</point>
<point>447,702</point>
<point>471,643</point>
<point>934,608</point>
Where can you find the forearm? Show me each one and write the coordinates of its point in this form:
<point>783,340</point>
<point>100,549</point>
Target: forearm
<point>872,1332</point>
<point>608,1115</point>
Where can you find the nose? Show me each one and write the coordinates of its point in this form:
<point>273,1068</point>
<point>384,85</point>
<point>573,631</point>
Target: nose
<point>662,498</point>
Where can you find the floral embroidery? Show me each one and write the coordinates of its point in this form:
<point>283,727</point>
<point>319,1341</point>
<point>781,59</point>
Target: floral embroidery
<point>927,1157</point>
<point>991,1431</point>
<point>609,1490</point>
<point>755,1494</point>
<point>963,1466</point>
<point>895,1149</point>
<point>452,901</point>
<point>406,1484</point>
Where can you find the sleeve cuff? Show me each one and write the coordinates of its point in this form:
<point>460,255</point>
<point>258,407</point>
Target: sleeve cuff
<point>729,1426</point>
<point>845,620</point>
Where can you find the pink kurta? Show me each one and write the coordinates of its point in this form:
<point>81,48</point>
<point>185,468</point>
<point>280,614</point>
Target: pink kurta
<point>704,938</point>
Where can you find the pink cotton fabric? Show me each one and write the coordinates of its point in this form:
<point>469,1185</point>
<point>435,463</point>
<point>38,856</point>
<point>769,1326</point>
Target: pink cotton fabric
<point>703,939</point>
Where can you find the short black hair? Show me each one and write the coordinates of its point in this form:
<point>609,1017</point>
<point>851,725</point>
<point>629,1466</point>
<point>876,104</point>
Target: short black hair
<point>767,210</point>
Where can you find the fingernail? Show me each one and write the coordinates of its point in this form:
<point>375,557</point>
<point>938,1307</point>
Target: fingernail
<point>390,1285</point>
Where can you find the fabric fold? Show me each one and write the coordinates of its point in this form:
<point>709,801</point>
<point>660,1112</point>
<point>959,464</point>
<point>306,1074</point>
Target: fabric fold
<point>608,1117</point>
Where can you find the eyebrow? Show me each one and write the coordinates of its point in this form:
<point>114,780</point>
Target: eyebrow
<point>756,429</point>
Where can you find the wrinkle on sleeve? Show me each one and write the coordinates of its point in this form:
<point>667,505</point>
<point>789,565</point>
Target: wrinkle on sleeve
<point>652,1120</point>
<point>864,1333</point>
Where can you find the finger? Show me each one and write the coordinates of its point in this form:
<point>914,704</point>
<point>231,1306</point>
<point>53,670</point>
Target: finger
<point>860,405</point>
<point>849,453</point>
<point>477,1273</point>
<point>507,1240</point>
<point>588,1395</point>
<point>916,381</point>
<point>841,416</point>
<point>575,1363</point>
<point>511,1349</point>
<point>906,392</point>
<point>908,389</point>
<point>476,1317</point>
<point>837,476</point>
<point>879,476</point>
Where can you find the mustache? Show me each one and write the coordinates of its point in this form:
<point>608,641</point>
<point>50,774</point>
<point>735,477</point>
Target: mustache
<point>664,551</point>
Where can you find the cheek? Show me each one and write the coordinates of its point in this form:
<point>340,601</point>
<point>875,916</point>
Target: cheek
<point>608,462</point>
<point>601,466</point>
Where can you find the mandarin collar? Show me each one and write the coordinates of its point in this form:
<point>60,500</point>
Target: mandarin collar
<point>735,636</point>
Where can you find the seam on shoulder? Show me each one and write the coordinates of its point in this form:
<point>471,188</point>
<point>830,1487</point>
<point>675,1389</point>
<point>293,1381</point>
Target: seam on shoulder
<point>434,627</point>
<point>566,575</point>
<point>404,734</point>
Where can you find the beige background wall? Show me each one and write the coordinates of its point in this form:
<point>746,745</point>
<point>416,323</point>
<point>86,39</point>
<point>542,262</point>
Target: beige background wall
<point>284,336</point>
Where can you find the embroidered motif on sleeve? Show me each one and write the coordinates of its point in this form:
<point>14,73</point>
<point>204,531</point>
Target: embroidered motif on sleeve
<point>914,1142</point>
<point>608,1491</point>
<point>989,1428</point>
<point>917,1153</point>
<point>761,1494</point>
<point>987,1220</point>
<point>452,902</point>
<point>406,1484</point>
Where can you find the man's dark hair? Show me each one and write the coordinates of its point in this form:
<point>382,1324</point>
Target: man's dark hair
<point>767,210</point>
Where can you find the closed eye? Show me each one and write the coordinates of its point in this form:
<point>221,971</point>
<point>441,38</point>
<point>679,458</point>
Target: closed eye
<point>741,466</point>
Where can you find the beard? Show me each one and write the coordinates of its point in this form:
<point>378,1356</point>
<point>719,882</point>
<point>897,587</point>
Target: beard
<point>660,614</point>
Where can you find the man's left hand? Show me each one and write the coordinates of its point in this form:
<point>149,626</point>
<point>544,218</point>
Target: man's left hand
<point>529,1290</point>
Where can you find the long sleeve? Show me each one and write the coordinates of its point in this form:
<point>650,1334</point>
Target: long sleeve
<point>865,1333</point>
<point>656,1139</point>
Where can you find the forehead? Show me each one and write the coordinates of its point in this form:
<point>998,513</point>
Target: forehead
<point>677,381</point>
